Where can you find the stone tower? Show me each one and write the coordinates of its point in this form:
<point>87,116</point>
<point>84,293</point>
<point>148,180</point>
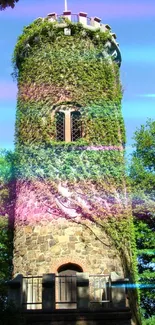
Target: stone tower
<point>71,212</point>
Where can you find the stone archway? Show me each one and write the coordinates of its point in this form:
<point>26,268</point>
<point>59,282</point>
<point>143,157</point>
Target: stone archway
<point>69,268</point>
<point>66,286</point>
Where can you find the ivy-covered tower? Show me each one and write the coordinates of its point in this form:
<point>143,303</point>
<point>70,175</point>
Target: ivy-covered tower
<point>72,211</point>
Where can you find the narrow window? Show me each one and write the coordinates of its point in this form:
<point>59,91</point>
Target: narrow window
<point>76,126</point>
<point>60,126</point>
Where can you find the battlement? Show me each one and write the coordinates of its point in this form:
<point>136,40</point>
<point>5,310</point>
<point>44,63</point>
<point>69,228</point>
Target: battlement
<point>92,23</point>
<point>112,50</point>
<point>81,17</point>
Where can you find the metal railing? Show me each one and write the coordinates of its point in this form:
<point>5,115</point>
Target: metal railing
<point>74,19</point>
<point>100,288</point>
<point>32,292</point>
<point>66,291</point>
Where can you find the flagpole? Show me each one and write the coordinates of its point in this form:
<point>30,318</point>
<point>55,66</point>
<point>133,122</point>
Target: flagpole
<point>65,5</point>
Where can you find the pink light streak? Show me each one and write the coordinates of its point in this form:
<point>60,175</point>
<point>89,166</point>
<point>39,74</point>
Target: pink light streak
<point>100,148</point>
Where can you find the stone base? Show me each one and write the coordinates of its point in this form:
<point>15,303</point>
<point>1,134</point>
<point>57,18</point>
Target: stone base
<point>85,317</point>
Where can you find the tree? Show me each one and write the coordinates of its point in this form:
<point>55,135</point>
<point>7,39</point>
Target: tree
<point>142,176</point>
<point>7,3</point>
<point>6,182</point>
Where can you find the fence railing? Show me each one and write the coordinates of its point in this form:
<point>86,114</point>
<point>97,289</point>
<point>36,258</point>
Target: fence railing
<point>32,292</point>
<point>74,19</point>
<point>66,291</point>
<point>100,288</point>
<point>82,290</point>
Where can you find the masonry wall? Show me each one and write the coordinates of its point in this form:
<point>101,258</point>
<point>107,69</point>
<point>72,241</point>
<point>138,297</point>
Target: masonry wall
<point>43,242</point>
<point>42,249</point>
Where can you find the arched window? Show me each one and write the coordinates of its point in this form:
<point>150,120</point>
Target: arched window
<point>68,125</point>
<point>70,268</point>
<point>60,126</point>
<point>76,126</point>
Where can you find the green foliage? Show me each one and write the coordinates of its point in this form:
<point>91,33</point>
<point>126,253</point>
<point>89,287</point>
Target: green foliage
<point>56,72</point>
<point>102,124</point>
<point>6,178</point>
<point>5,249</point>
<point>71,162</point>
<point>7,3</point>
<point>43,31</point>
<point>145,145</point>
<point>8,315</point>
<point>60,72</point>
<point>149,321</point>
<point>142,175</point>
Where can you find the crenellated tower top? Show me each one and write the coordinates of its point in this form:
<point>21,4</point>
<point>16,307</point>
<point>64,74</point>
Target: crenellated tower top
<point>91,23</point>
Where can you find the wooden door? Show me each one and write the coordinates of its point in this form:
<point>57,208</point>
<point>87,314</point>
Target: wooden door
<point>66,289</point>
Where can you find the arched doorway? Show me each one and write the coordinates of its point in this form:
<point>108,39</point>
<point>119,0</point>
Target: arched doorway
<point>66,288</point>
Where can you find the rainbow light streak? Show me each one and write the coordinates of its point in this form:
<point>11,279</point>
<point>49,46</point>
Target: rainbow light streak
<point>149,252</point>
<point>147,95</point>
<point>134,285</point>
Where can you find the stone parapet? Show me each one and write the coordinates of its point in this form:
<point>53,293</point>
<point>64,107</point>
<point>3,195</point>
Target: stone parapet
<point>48,292</point>
<point>64,317</point>
<point>15,291</point>
<point>93,23</point>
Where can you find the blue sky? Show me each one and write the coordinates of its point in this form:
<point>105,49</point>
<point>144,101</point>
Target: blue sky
<point>134,24</point>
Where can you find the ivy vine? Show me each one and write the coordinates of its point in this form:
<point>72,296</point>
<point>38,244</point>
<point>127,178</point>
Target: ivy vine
<point>55,70</point>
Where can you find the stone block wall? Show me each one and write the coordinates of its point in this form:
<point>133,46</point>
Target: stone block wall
<point>42,248</point>
<point>45,238</point>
